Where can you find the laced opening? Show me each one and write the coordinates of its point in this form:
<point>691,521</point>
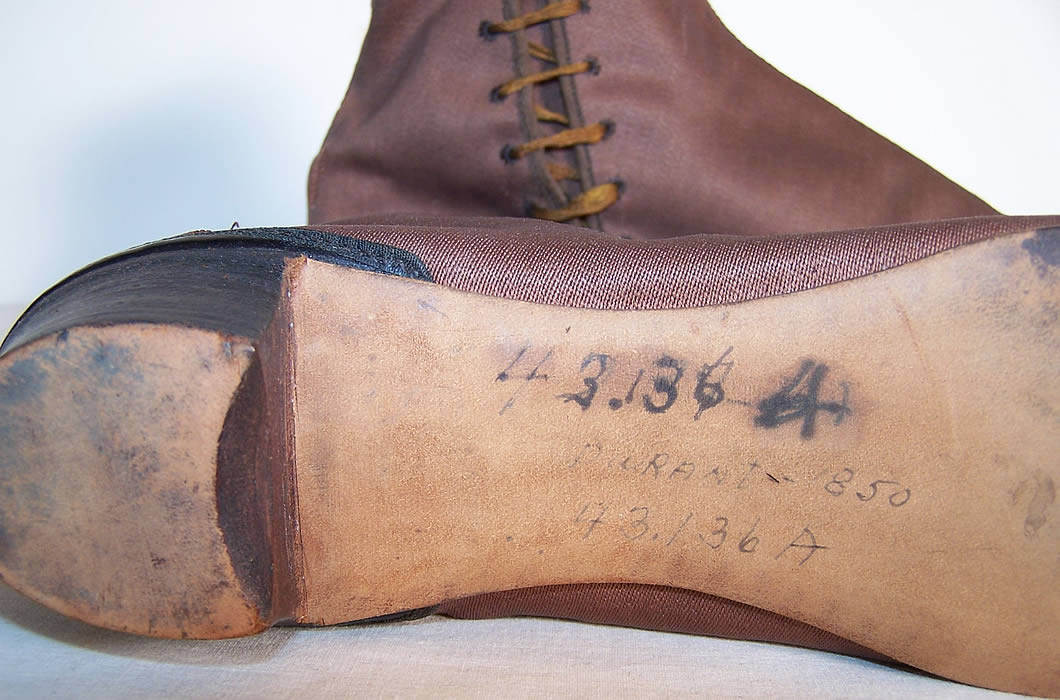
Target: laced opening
<point>592,200</point>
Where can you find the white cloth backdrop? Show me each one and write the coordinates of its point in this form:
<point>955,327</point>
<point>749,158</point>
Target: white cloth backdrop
<point>42,654</point>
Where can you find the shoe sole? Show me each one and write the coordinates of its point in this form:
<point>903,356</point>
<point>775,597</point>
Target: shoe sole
<point>877,458</point>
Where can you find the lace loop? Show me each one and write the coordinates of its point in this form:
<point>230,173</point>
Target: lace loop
<point>516,84</point>
<point>594,133</point>
<point>592,201</point>
<point>555,10</point>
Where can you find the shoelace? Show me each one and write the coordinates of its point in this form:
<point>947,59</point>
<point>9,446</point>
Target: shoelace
<point>593,200</point>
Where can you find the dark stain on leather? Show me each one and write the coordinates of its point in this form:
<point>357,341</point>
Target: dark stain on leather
<point>23,382</point>
<point>1044,248</point>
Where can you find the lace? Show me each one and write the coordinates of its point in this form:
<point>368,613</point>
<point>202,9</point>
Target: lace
<point>590,201</point>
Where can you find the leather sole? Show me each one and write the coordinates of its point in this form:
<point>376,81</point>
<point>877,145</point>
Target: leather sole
<point>877,458</point>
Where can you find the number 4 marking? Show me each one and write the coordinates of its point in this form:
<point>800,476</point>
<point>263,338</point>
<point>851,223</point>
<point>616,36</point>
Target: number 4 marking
<point>593,522</point>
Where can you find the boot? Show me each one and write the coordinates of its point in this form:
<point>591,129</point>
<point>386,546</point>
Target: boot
<point>712,139</point>
<point>643,119</point>
<point>220,432</point>
<point>353,422</point>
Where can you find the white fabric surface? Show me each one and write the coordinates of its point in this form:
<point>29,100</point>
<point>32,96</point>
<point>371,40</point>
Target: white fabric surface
<point>43,654</point>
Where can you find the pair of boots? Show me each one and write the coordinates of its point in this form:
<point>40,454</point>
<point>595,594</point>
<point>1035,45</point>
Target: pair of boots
<point>653,396</point>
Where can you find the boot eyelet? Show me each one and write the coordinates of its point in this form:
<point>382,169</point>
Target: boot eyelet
<point>485,32</point>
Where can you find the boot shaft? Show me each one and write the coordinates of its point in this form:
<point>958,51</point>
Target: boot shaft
<point>642,119</point>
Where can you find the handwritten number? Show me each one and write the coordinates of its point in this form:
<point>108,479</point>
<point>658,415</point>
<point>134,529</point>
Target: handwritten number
<point>748,544</point>
<point>707,393</point>
<point>664,385</point>
<point>898,498</point>
<point>901,496</point>
<point>798,399</point>
<point>642,523</point>
<point>678,530</point>
<point>533,373</point>
<point>593,522</point>
<point>504,376</point>
<point>838,485</point>
<point>592,384</point>
<point>868,497</point>
<point>633,386</point>
<point>721,532</point>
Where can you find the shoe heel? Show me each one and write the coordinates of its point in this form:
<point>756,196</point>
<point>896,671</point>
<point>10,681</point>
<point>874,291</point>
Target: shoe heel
<point>145,434</point>
<point>110,482</point>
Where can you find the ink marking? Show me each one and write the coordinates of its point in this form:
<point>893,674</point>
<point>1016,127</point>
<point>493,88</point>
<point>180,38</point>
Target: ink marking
<point>577,460</point>
<point>744,481</point>
<point>655,464</point>
<point>798,543</point>
<point>641,523</point>
<point>678,530</point>
<point>792,404</point>
<point>533,375</point>
<point>425,305</point>
<point>749,544</point>
<point>681,469</point>
<point>592,383</point>
<point>593,522</point>
<point>616,403</point>
<point>503,376</point>
<point>709,394</point>
<point>664,385</point>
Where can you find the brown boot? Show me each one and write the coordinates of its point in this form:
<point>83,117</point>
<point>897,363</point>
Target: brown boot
<point>461,113</point>
<point>847,432</point>
<point>220,432</point>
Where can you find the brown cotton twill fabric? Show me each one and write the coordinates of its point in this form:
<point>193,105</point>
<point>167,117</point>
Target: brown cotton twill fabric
<point>656,608</point>
<point>547,263</point>
<point>707,136</point>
